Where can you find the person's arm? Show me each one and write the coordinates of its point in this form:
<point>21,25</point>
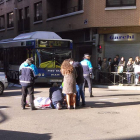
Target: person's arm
<point>90,67</point>
<point>34,68</point>
<point>50,94</point>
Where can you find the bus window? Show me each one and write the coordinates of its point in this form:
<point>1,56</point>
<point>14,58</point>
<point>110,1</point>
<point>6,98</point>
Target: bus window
<point>46,58</point>
<point>17,56</point>
<point>61,55</point>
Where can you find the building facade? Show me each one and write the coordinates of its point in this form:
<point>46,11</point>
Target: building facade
<point>112,24</point>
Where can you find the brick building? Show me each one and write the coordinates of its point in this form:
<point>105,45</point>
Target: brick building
<point>117,22</point>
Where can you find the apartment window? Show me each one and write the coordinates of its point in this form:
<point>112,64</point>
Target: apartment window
<point>1,1</point>
<point>27,13</point>
<point>2,22</point>
<point>119,3</point>
<point>20,14</point>
<point>38,11</point>
<point>10,20</point>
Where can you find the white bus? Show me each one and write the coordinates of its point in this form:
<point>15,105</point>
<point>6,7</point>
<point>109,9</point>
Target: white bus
<point>47,48</point>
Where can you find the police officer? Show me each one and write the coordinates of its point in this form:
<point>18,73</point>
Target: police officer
<point>28,74</point>
<point>87,72</point>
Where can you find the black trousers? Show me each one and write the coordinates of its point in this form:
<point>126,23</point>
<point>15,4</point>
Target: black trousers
<point>30,91</point>
<point>89,81</point>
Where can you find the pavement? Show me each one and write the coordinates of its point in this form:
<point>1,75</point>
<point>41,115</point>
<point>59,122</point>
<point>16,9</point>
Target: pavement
<point>112,114</point>
<point>120,87</point>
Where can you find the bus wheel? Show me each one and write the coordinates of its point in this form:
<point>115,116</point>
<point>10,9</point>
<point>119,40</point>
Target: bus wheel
<point>1,88</point>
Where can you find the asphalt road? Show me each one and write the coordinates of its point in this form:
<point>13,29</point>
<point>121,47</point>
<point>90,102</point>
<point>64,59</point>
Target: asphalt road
<point>110,115</point>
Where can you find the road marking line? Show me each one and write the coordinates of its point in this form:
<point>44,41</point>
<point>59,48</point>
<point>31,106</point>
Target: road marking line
<point>2,108</point>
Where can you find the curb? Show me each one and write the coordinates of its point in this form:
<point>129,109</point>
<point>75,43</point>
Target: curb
<point>118,87</point>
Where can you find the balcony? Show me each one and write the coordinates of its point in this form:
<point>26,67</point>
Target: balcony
<point>64,11</point>
<point>63,7</point>
<point>24,25</point>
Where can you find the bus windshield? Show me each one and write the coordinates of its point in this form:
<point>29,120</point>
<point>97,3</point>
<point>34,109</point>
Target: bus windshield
<point>52,58</point>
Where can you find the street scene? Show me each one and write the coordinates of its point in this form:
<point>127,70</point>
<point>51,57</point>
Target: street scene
<point>69,70</point>
<point>110,115</point>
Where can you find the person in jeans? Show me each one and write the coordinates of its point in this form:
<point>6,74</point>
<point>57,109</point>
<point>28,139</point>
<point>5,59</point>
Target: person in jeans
<point>79,81</point>
<point>28,73</point>
<point>136,66</point>
<point>129,70</point>
<point>87,72</point>
<point>56,96</point>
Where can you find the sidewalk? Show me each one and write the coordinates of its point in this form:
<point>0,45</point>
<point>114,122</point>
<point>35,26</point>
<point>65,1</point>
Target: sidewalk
<point>118,87</point>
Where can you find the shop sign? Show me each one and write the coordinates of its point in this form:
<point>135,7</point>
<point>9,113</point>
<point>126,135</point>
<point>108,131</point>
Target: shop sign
<point>121,37</point>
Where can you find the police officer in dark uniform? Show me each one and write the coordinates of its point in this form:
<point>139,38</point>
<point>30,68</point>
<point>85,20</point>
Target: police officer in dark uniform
<point>87,72</point>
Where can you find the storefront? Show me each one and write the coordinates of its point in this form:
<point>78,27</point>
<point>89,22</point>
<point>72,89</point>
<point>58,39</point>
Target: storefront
<point>125,44</point>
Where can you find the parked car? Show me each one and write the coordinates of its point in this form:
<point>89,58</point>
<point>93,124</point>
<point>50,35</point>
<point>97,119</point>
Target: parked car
<point>3,82</point>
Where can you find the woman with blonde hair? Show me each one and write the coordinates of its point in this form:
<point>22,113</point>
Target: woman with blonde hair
<point>69,81</point>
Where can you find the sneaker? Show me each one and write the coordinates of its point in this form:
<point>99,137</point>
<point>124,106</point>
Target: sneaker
<point>58,106</point>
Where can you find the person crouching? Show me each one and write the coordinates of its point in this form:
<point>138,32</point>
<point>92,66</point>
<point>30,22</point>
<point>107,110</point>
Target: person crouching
<point>56,96</point>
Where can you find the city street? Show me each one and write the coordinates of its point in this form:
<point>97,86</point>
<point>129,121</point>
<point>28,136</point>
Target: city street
<point>110,115</point>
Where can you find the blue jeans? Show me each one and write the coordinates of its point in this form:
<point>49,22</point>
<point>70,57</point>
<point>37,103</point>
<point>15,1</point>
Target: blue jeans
<point>89,81</point>
<point>54,104</point>
<point>79,93</point>
<point>129,78</point>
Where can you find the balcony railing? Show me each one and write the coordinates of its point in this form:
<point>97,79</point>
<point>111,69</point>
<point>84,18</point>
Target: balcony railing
<point>65,11</point>
<point>24,25</point>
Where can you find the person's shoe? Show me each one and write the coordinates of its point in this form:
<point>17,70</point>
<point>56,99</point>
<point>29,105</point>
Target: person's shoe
<point>91,96</point>
<point>74,107</point>
<point>33,108</point>
<point>58,106</point>
<point>23,107</point>
<point>68,107</point>
<point>83,105</point>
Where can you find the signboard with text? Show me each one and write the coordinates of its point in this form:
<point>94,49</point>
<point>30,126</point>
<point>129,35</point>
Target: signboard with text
<point>122,37</point>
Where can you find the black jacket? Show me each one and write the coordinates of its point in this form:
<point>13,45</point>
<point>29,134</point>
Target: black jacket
<point>79,70</point>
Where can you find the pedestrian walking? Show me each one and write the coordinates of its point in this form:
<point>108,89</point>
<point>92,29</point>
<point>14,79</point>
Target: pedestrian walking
<point>79,82</point>
<point>69,82</point>
<point>28,73</point>
<point>87,73</point>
